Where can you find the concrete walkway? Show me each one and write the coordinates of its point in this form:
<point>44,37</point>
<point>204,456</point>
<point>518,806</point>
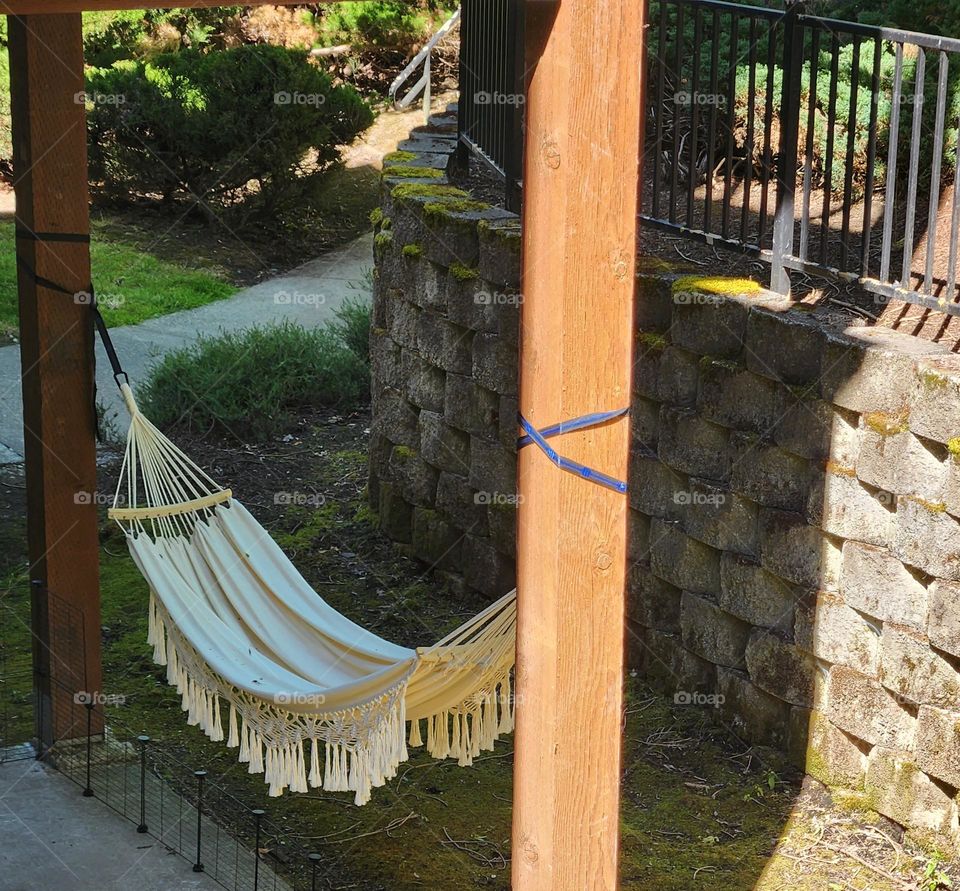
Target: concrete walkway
<point>53,837</point>
<point>308,295</point>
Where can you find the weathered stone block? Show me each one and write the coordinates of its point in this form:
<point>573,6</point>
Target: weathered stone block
<point>781,668</point>
<point>468,305</point>
<point>751,593</point>
<point>451,235</point>
<point>786,346</point>
<point>509,424</point>
<point>935,409</point>
<point>396,419</point>
<point>752,713</point>
<point>385,369</point>
<point>819,431</point>
<point>914,671</point>
<point>415,479</point>
<point>644,423</point>
<point>495,364</point>
<point>928,538</point>
<point>900,463</point>
<point>654,304</point>
<point>734,397</point>
<point>651,601</point>
<point>878,584</point>
<point>898,789</point>
<point>638,537</point>
<point>832,756</point>
<point>457,502</point>
<point>403,322</point>
<point>768,474</point>
<point>502,520</point>
<point>682,561</point>
<point>395,515</point>
<point>712,633</point>
<point>951,493</point>
<point>944,624</point>
<point>444,344</point>
<point>653,488</point>
<point>720,518</point>
<point>443,446</point>
<point>864,707</point>
<point>840,504</point>
<point>691,445</point>
<point>430,288</point>
<point>434,540</point>
<point>938,743</point>
<point>663,372</point>
<point>871,369</point>
<point>715,330</point>
<point>493,470</point>
<point>829,629</point>
<point>791,548</point>
<point>485,568</point>
<point>499,242</point>
<point>669,666</point>
<point>471,408</point>
<point>423,383</point>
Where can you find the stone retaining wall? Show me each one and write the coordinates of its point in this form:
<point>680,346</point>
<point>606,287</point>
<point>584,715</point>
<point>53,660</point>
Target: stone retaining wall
<point>794,492</point>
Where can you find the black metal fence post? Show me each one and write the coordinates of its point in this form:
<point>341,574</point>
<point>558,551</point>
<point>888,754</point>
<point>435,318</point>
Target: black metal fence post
<point>88,703</point>
<point>201,775</point>
<point>257,816</point>
<point>314,863</point>
<point>783,235</point>
<point>143,740</point>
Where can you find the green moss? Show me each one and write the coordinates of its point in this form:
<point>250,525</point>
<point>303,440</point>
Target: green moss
<point>934,507</point>
<point>428,190</point>
<point>654,264</point>
<point>376,216</point>
<point>383,239</point>
<point>953,447</point>
<point>399,157</point>
<point>933,380</point>
<point>653,341</point>
<point>733,287</point>
<point>712,362</point>
<point>412,251</point>
<point>414,172</point>
<point>463,273</point>
<point>445,208</point>
<point>404,453</point>
<point>887,424</point>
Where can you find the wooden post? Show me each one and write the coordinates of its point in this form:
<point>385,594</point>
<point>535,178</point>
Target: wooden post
<point>56,346</point>
<point>581,181</point>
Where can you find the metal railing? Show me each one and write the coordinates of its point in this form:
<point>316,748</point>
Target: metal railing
<point>492,89</point>
<point>422,58</point>
<point>818,145</point>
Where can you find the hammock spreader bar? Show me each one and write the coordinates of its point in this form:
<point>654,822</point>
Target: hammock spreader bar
<point>539,438</point>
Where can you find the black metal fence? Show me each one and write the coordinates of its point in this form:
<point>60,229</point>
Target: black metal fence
<point>492,88</point>
<point>816,144</point>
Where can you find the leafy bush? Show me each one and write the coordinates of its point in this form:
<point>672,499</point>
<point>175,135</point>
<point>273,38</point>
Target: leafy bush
<point>390,23</point>
<point>189,124</point>
<point>353,326</point>
<point>248,383</point>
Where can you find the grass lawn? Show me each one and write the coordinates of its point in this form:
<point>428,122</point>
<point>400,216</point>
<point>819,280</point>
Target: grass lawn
<point>131,285</point>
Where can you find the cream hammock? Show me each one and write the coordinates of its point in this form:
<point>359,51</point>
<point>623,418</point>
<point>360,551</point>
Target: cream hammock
<point>262,661</point>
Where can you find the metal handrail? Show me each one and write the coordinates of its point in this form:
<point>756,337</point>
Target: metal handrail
<point>421,58</point>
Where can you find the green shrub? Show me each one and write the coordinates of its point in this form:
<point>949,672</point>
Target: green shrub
<point>389,23</point>
<point>353,326</point>
<point>248,383</point>
<point>195,125</point>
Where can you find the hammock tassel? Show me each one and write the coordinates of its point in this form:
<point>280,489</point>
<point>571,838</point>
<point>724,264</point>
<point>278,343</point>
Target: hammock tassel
<point>315,778</point>
<point>415,739</point>
<point>217,735</point>
<point>233,740</point>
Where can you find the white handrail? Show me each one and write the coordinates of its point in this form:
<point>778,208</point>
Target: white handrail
<point>421,58</point>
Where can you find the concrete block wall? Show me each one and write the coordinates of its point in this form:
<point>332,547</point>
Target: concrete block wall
<point>444,367</point>
<point>794,492</point>
<point>795,539</point>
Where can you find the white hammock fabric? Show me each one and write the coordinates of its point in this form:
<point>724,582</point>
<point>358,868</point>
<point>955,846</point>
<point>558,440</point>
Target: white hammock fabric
<point>241,631</point>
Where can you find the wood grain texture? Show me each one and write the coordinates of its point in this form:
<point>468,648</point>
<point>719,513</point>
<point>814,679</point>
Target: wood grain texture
<point>56,346</point>
<point>581,177</point>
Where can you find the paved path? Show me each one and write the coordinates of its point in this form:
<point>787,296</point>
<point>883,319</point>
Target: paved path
<point>308,295</point>
<point>53,837</point>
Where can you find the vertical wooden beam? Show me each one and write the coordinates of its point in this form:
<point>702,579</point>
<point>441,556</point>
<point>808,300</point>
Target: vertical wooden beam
<point>56,345</point>
<point>581,180</point>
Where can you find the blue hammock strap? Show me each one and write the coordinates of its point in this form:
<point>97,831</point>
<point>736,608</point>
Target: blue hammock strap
<point>539,438</point>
